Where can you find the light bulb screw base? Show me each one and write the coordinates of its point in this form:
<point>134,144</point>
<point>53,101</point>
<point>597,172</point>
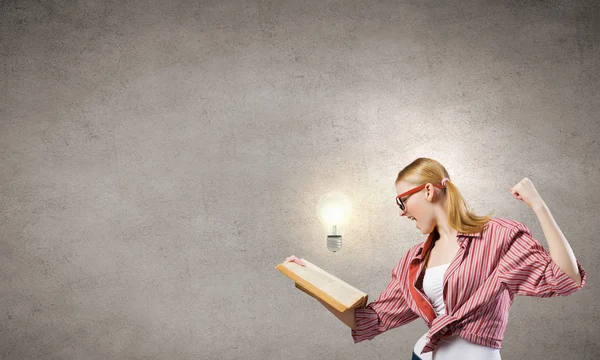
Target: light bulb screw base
<point>334,242</point>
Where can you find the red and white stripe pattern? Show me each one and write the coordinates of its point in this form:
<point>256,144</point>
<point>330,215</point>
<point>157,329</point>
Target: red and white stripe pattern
<point>489,269</point>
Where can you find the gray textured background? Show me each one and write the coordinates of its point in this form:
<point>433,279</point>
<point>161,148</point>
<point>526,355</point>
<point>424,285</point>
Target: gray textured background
<point>158,159</point>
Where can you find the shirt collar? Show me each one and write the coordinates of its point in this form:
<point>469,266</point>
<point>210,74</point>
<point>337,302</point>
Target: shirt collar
<point>461,238</point>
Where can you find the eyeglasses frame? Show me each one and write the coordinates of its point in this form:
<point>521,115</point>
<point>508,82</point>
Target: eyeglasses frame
<point>402,204</point>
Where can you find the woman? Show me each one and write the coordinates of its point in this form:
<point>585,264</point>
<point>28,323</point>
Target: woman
<point>462,280</point>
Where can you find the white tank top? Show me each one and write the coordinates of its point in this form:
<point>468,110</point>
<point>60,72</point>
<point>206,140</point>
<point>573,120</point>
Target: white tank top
<point>453,347</point>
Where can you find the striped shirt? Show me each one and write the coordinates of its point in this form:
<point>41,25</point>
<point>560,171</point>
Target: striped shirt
<point>479,286</point>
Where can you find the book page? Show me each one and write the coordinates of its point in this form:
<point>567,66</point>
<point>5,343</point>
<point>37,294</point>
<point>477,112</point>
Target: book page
<point>310,274</point>
<point>318,269</point>
<point>342,293</point>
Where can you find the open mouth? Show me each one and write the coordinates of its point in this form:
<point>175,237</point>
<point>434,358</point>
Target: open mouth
<point>415,220</point>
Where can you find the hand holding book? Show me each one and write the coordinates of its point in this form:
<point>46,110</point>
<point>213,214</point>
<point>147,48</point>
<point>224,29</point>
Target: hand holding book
<point>294,259</point>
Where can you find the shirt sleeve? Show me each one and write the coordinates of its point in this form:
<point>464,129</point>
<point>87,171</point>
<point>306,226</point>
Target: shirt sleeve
<point>389,311</point>
<point>526,268</point>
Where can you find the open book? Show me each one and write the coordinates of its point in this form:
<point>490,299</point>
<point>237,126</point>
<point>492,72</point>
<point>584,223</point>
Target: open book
<point>320,284</point>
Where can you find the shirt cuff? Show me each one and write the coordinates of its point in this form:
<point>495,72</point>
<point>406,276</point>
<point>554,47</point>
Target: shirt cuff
<point>367,324</point>
<point>565,284</point>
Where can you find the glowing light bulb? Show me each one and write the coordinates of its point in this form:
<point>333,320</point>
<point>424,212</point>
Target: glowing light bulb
<point>334,210</point>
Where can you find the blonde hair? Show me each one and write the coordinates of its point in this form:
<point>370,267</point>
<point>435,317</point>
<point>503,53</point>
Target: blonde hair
<point>460,217</point>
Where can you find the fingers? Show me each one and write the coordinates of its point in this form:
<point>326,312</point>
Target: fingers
<point>515,194</point>
<point>295,260</point>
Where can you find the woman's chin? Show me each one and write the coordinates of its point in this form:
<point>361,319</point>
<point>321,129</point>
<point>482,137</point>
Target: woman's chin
<point>424,231</point>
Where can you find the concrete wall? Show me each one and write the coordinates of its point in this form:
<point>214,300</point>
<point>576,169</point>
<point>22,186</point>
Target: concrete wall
<point>158,159</point>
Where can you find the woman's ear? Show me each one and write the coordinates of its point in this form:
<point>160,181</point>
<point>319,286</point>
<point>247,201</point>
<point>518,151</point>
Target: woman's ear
<point>427,189</point>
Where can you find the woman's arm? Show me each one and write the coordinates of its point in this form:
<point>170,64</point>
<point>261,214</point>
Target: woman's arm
<point>347,317</point>
<point>560,250</point>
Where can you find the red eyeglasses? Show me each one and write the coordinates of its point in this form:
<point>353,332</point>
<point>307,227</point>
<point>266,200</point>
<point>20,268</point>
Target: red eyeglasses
<point>399,200</point>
